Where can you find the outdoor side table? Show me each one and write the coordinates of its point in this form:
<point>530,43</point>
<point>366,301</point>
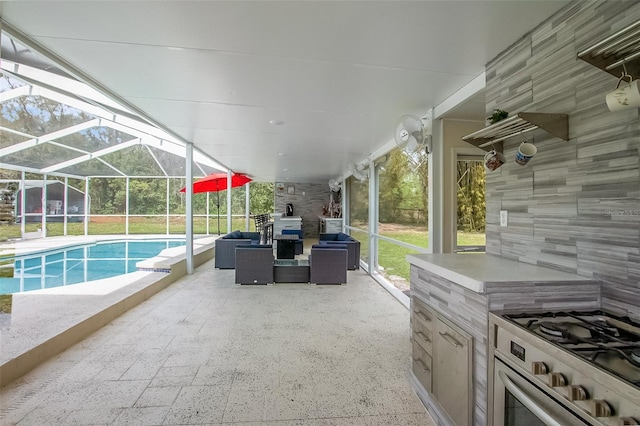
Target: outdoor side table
<point>286,247</point>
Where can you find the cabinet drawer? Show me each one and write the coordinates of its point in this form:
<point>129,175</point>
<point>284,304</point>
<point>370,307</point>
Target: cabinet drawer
<point>422,336</point>
<point>421,365</point>
<point>423,314</point>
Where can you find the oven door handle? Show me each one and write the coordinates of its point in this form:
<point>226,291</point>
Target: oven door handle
<point>538,411</point>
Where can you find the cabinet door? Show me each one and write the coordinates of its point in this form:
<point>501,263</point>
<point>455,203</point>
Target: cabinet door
<point>452,371</point>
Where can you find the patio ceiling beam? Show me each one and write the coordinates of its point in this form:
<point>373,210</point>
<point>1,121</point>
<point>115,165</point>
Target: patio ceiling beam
<point>18,35</point>
<point>15,132</point>
<point>91,155</point>
<point>127,125</point>
<point>128,122</point>
<point>37,87</point>
<point>166,145</point>
<point>156,160</point>
<point>15,93</point>
<point>48,137</point>
<point>68,147</point>
<point>77,88</point>
<point>112,167</point>
<point>36,171</point>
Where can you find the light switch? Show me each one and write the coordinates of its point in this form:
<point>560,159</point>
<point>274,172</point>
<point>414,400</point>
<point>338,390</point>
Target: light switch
<point>503,218</point>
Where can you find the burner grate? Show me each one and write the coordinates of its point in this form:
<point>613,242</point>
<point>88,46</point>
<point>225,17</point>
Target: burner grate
<point>607,341</point>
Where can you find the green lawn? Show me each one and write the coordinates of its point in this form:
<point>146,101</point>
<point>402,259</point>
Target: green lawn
<point>138,225</point>
<point>392,257</point>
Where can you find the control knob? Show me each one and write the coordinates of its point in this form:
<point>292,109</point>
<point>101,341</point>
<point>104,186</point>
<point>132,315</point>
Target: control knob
<point>577,393</point>
<point>539,368</point>
<point>557,380</point>
<point>623,421</point>
<point>601,408</point>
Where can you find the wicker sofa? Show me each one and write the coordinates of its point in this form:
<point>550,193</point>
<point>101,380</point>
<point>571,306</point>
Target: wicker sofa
<point>225,249</point>
<point>353,246</point>
<point>254,264</point>
<point>328,264</point>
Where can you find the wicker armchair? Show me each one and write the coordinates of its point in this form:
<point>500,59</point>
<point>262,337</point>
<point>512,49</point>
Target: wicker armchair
<point>353,246</point>
<point>328,264</point>
<point>254,264</point>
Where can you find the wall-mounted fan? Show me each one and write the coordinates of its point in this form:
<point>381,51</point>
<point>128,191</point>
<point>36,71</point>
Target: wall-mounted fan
<point>335,185</point>
<point>412,135</point>
<point>357,171</point>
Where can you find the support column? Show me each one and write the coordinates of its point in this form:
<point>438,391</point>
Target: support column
<point>167,209</point>
<point>246,207</point>
<point>229,225</point>
<point>43,194</point>
<point>436,178</point>
<point>65,202</point>
<point>189,209</point>
<point>126,206</point>
<point>207,212</point>
<point>86,206</point>
<point>373,219</point>
<point>23,199</point>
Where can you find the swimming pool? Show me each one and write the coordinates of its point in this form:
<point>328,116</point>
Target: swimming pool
<point>77,264</point>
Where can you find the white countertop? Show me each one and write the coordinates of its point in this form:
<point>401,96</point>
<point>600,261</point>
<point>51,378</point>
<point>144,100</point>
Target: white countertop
<point>477,270</point>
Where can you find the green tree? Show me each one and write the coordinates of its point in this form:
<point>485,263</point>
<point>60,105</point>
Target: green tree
<point>471,196</point>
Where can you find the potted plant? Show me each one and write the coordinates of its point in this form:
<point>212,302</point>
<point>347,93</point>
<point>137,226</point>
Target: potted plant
<point>498,115</point>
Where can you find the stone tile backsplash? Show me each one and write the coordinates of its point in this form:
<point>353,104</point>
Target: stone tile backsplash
<point>576,206</point>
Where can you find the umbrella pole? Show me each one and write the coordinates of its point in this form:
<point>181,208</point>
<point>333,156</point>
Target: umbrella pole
<point>218,212</point>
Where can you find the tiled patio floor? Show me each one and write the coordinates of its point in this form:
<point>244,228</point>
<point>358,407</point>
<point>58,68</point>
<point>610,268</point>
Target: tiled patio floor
<point>205,351</point>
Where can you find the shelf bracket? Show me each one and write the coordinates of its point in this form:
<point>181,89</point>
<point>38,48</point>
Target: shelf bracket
<point>555,124</point>
<point>491,137</point>
<point>611,53</point>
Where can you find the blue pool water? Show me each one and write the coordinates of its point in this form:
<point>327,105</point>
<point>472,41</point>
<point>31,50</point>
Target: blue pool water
<point>77,264</point>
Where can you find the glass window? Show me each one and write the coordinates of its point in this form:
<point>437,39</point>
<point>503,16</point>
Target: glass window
<point>402,212</point>
<point>38,116</point>
<point>471,209</point>
<point>403,198</point>
<point>95,139</point>
<point>358,203</point>
<point>134,161</point>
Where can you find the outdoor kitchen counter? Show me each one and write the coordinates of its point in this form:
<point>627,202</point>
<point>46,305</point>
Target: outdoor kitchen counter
<point>482,273</point>
<point>460,290</point>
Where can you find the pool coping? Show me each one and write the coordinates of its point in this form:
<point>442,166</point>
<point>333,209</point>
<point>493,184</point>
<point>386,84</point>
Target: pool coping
<point>37,332</point>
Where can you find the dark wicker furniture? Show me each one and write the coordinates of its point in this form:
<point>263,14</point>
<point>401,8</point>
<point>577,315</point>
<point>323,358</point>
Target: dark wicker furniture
<point>254,264</point>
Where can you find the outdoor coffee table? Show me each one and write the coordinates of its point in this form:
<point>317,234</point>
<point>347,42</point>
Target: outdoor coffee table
<point>291,271</point>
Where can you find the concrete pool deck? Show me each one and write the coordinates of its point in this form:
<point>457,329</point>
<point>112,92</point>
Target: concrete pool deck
<point>45,322</point>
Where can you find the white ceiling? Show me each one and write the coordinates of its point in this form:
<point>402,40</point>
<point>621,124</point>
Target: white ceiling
<point>338,73</point>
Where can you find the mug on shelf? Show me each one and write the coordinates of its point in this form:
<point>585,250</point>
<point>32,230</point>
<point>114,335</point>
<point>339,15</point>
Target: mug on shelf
<point>526,151</point>
<point>625,96</point>
<point>494,159</point>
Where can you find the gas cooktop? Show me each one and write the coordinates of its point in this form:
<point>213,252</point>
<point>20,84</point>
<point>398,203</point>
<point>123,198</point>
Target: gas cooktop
<point>605,340</point>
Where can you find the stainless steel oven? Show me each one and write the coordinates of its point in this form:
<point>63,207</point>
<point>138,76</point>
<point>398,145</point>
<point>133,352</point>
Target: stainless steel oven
<point>518,402</point>
<point>565,369</point>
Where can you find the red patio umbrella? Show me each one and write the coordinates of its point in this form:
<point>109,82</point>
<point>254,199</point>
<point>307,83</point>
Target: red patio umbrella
<point>217,182</point>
